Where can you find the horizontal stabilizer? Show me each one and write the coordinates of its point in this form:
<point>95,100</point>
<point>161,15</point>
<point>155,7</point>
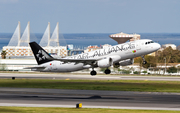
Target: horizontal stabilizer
<point>35,68</point>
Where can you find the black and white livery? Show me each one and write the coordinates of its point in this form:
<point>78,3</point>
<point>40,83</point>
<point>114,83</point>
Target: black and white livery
<point>122,54</point>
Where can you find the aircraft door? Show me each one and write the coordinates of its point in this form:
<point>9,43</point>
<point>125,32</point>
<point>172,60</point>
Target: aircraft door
<point>54,66</point>
<point>138,45</point>
<point>138,49</point>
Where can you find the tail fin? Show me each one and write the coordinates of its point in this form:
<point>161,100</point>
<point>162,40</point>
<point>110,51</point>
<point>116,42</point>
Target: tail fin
<point>39,53</point>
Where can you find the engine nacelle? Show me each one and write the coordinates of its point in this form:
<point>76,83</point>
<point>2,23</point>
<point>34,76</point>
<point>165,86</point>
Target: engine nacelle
<point>126,62</point>
<point>116,58</point>
<point>116,65</point>
<point>104,63</point>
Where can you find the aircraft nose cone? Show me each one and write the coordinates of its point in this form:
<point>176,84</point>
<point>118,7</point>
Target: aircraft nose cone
<point>158,46</point>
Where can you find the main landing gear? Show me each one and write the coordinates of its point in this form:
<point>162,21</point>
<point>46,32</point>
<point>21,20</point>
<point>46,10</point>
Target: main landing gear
<point>144,61</point>
<point>93,73</point>
<point>107,71</point>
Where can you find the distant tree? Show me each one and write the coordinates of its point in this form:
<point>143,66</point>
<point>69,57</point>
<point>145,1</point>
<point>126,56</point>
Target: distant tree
<point>172,56</point>
<point>125,71</point>
<point>178,47</point>
<point>3,54</point>
<point>144,72</point>
<point>151,61</point>
<point>136,72</point>
<point>2,67</point>
<point>137,60</point>
<point>103,69</point>
<point>172,70</point>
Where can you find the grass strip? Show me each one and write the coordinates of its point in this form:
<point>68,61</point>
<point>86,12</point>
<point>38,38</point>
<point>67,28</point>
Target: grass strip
<point>111,85</point>
<point>73,110</point>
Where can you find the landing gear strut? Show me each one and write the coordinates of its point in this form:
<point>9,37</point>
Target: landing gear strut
<point>93,73</point>
<point>144,61</point>
<point>107,71</point>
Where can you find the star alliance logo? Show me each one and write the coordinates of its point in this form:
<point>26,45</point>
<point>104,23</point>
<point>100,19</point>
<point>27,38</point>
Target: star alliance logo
<point>41,55</point>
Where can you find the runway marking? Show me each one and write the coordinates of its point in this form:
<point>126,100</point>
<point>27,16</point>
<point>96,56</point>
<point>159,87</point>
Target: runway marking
<point>67,79</point>
<point>73,106</point>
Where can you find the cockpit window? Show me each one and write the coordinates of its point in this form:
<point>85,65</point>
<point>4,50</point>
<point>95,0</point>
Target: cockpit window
<point>149,42</point>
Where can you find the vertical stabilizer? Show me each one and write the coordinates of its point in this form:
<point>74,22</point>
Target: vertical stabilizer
<point>39,53</point>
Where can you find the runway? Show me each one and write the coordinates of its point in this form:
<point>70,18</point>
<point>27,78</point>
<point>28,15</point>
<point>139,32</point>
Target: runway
<point>35,97</point>
<point>72,76</point>
<point>32,97</point>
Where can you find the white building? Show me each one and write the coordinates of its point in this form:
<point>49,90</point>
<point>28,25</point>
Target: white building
<point>17,64</point>
<point>169,45</point>
<point>106,46</point>
<point>91,48</point>
<point>19,46</point>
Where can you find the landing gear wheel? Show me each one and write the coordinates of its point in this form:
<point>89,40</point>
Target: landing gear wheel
<point>93,73</point>
<point>107,71</point>
<point>144,62</point>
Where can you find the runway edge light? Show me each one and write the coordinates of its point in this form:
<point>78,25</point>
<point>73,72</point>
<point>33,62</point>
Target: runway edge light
<point>13,78</point>
<point>79,105</point>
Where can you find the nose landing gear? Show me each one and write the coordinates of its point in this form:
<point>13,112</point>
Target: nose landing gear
<point>144,61</point>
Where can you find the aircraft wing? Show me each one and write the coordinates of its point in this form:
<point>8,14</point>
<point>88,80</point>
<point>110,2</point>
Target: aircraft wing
<point>85,61</point>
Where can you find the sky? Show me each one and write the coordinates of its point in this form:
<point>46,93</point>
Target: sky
<point>92,16</point>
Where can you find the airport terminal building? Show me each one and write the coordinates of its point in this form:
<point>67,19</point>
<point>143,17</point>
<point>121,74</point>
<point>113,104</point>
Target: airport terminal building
<point>19,45</point>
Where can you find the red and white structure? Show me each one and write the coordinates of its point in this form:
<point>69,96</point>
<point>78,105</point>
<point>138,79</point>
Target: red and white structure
<point>123,37</point>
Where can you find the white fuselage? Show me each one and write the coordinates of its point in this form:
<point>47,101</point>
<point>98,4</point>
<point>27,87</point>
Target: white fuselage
<point>123,51</point>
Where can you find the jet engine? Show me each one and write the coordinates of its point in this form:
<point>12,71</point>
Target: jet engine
<point>104,63</point>
<point>116,65</point>
<point>126,62</point>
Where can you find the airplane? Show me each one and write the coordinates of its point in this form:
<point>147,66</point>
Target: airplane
<point>118,55</point>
